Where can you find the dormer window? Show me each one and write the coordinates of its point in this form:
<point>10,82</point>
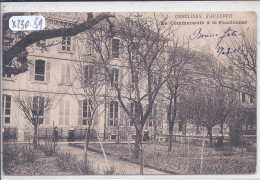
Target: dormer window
<point>66,43</point>
<point>115,48</point>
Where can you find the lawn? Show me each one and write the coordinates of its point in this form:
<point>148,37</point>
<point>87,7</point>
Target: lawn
<point>20,159</point>
<point>215,161</point>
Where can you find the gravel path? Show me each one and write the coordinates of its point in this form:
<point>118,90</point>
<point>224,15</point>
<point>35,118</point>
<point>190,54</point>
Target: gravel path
<point>98,161</point>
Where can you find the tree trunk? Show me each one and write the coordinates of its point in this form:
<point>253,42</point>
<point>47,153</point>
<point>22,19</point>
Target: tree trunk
<point>221,127</point>
<point>87,142</point>
<point>210,136</point>
<point>170,141</point>
<point>35,136</point>
<point>138,139</point>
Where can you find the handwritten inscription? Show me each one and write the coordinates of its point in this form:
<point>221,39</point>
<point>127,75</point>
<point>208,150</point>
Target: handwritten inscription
<point>26,23</point>
<point>229,33</point>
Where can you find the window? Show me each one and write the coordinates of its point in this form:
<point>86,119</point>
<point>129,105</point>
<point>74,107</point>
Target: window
<point>134,77</point>
<point>134,111</point>
<point>65,74</point>
<point>66,43</point>
<point>64,111</point>
<point>180,126</point>
<point>115,74</point>
<point>115,48</point>
<point>243,97</point>
<point>6,109</point>
<point>39,70</point>
<point>251,99</point>
<point>88,48</point>
<point>38,108</point>
<point>112,137</point>
<point>41,43</point>
<point>88,73</point>
<point>7,74</point>
<point>86,111</point>
<point>113,113</point>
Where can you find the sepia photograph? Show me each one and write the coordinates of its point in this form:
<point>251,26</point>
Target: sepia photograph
<point>129,93</point>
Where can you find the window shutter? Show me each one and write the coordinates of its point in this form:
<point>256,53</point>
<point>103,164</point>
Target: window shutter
<point>127,117</point>
<point>121,121</point>
<point>32,68</point>
<point>47,117</point>
<point>62,73</point>
<point>48,71</point>
<point>67,112</point>
<point>108,112</point>
<point>73,43</point>
<point>80,113</point>
<point>68,74</point>
<point>61,112</point>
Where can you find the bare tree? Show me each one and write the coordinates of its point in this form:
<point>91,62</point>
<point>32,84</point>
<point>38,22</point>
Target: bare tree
<point>89,81</point>
<point>141,43</point>
<point>35,108</point>
<point>179,79</point>
<point>15,54</point>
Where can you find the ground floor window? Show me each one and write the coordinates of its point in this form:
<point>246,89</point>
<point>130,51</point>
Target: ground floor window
<point>113,113</point>
<point>6,109</point>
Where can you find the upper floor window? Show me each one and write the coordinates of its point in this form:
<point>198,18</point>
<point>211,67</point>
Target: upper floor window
<point>66,43</point>
<point>115,75</point>
<point>113,113</point>
<point>134,77</point>
<point>115,48</point>
<point>88,48</point>
<point>6,108</point>
<point>251,99</point>
<point>88,73</point>
<point>243,97</point>
<point>86,111</point>
<point>38,108</point>
<point>7,75</point>
<point>180,126</point>
<point>41,43</point>
<point>39,70</point>
<point>134,111</point>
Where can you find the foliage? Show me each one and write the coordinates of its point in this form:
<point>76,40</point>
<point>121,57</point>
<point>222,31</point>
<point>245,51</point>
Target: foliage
<point>49,147</point>
<point>68,162</point>
<point>14,153</point>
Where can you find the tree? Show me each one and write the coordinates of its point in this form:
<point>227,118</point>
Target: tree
<point>211,105</point>
<point>35,108</point>
<point>140,44</point>
<point>175,85</point>
<point>15,56</point>
<point>89,81</point>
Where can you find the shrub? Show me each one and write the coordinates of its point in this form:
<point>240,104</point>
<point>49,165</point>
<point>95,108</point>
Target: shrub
<point>28,154</point>
<point>68,162</point>
<point>49,148</point>
<point>110,170</point>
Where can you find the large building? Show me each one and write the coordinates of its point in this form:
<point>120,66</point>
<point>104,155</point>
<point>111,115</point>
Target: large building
<point>53,72</point>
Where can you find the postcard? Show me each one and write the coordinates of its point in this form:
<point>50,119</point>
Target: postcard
<point>129,93</point>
